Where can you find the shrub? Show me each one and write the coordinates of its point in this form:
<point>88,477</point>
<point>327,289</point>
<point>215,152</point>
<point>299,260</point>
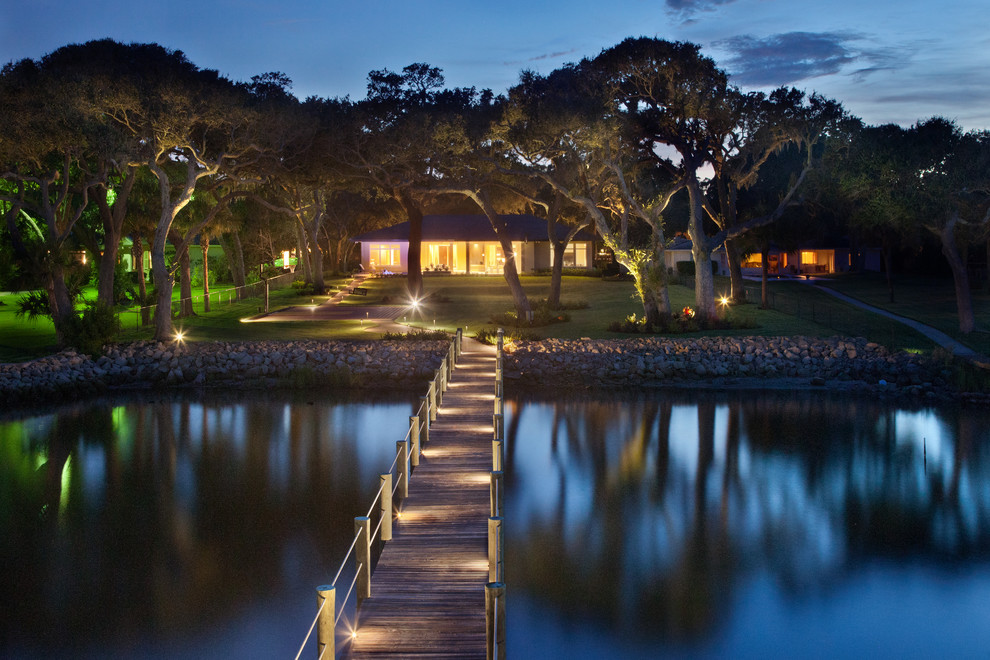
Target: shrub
<point>490,336</point>
<point>542,316</point>
<point>89,333</point>
<point>418,335</point>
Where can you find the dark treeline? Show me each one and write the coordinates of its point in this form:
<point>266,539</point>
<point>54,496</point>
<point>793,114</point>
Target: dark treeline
<point>105,141</point>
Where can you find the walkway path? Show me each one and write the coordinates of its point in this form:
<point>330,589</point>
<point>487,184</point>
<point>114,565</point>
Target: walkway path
<point>331,310</point>
<point>935,335</point>
<point>428,590</point>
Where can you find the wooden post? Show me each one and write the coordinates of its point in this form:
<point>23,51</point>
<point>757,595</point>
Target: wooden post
<point>498,425</point>
<point>441,385</point>
<point>496,546</point>
<point>326,599</point>
<point>451,363</point>
<point>402,466</point>
<point>425,437</point>
<point>500,342</point>
<point>266,296</point>
<point>497,493</point>
<point>497,455</point>
<point>457,344</point>
<point>433,400</point>
<point>362,556</point>
<point>414,439</point>
<point>386,480</point>
<point>495,620</point>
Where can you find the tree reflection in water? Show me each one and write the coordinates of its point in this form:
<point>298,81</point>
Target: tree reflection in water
<point>128,525</point>
<point>662,507</point>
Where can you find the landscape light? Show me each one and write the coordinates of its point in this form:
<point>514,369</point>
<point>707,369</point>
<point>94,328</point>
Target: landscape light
<point>724,301</point>
<point>179,336</point>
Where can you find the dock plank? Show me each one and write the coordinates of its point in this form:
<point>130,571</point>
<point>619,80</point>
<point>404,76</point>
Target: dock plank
<point>428,590</point>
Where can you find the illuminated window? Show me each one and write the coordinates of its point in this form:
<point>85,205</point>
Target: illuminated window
<point>576,255</point>
<point>808,258</point>
<point>383,255</point>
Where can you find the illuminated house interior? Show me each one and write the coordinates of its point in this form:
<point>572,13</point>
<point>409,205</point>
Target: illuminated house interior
<point>468,245</point>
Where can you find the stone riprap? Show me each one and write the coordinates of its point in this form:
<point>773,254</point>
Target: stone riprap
<point>373,364</point>
<point>721,361</point>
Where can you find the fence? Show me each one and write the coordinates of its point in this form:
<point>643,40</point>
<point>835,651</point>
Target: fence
<point>407,454</point>
<point>841,318</point>
<point>495,589</point>
<point>260,289</point>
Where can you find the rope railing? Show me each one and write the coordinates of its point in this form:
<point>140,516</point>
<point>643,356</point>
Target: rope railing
<point>420,422</point>
<point>144,313</point>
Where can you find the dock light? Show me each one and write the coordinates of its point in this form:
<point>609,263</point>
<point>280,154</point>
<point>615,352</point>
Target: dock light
<point>354,634</point>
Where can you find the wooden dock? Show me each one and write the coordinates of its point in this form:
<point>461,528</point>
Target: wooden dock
<point>428,590</point>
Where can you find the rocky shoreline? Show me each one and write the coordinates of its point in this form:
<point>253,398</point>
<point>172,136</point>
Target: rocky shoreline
<point>728,362</point>
<point>248,365</point>
<point>709,362</point>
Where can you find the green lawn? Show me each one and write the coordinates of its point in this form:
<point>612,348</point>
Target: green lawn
<point>469,302</point>
<point>931,301</point>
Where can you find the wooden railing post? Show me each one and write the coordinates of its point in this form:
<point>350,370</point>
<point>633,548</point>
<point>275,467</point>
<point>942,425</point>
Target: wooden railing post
<point>497,454</point>
<point>500,342</point>
<point>433,400</point>
<point>457,345</point>
<point>414,440</point>
<point>362,556</point>
<point>386,481</point>
<point>453,359</point>
<point>495,620</point>
<point>402,466</point>
<point>497,493</point>
<point>496,547</point>
<point>425,406</point>
<point>441,386</point>
<point>325,642</point>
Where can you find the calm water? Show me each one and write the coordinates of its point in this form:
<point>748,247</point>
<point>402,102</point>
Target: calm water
<point>181,528</point>
<point>747,526</point>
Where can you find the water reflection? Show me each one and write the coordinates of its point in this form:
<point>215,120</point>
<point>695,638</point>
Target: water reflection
<point>205,524</point>
<point>660,524</point>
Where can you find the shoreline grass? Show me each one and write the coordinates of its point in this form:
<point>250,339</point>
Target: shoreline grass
<point>469,302</point>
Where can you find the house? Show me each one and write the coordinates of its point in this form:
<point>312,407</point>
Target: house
<point>467,244</point>
<point>810,260</point>
<point>680,250</point>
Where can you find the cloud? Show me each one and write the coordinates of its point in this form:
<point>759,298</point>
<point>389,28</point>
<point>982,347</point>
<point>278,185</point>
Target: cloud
<point>539,58</point>
<point>690,7</point>
<point>781,59</point>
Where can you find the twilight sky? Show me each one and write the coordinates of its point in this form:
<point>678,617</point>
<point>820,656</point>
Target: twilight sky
<point>885,60</point>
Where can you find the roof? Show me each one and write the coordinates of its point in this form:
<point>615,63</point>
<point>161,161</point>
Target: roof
<point>471,228</point>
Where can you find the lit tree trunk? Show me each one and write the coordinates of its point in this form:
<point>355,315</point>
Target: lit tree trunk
<point>414,260</point>
<point>557,268</point>
<point>137,254</point>
<point>304,259</point>
<point>204,244</point>
<point>733,255</point>
<point>312,230</point>
<point>704,281</point>
<point>113,225</point>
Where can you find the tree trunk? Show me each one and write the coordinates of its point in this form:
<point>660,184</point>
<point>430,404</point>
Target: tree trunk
<point>556,272</point>
<point>304,254</point>
<point>651,284</point>
<point>764,278</point>
<point>313,229</point>
<point>59,301</point>
<point>113,230</point>
<point>204,244</point>
<point>733,255</point>
<point>414,260</point>
<point>964,301</point>
<point>137,254</point>
<point>885,250</point>
<point>704,281</point>
<point>163,280</point>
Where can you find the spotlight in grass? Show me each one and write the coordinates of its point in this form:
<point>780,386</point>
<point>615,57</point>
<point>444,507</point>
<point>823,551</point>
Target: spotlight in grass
<point>724,301</point>
<point>414,303</point>
<point>180,336</point>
